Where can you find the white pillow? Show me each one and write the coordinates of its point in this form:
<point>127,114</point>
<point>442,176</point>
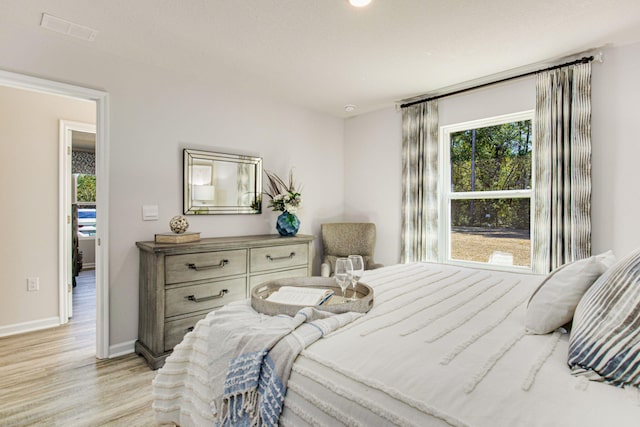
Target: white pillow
<point>552,305</point>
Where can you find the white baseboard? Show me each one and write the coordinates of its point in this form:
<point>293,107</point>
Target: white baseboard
<point>121,349</point>
<point>33,325</point>
<point>88,266</point>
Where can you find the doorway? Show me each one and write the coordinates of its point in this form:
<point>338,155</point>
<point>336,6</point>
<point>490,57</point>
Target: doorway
<point>19,81</point>
<point>78,168</point>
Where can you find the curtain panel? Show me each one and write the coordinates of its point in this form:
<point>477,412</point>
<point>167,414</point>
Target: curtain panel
<point>562,215</point>
<point>419,241</point>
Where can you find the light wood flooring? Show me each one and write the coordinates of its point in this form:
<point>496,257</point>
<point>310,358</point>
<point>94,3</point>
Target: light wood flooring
<point>52,378</point>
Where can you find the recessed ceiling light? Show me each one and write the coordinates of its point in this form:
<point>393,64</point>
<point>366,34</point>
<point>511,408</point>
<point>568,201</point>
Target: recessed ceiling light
<point>349,108</point>
<point>359,3</point>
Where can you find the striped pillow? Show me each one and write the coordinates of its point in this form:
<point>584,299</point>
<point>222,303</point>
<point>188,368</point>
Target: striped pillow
<point>605,340</point>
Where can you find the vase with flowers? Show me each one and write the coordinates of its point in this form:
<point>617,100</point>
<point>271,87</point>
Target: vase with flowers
<point>286,198</point>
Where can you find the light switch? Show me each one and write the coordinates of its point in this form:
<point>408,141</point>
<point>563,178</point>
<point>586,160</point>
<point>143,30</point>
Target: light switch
<point>150,213</point>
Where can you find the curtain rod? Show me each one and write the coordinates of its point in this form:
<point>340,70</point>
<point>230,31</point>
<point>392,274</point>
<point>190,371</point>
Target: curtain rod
<point>582,60</point>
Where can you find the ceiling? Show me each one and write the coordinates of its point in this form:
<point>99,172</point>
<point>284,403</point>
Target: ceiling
<point>324,54</point>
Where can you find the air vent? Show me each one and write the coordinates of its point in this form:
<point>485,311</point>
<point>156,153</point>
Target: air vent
<point>69,28</point>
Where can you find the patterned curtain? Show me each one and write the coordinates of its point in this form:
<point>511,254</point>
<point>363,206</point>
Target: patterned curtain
<point>562,216</point>
<point>420,182</point>
<point>83,162</point>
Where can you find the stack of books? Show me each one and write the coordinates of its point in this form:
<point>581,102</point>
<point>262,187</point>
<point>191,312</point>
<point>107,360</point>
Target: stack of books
<point>188,237</point>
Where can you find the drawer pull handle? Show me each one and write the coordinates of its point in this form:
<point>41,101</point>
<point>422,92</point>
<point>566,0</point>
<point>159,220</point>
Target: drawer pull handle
<point>280,258</point>
<point>208,267</point>
<point>189,329</point>
<point>194,298</point>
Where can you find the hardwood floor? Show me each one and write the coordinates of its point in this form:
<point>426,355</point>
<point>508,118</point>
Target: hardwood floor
<point>52,378</point>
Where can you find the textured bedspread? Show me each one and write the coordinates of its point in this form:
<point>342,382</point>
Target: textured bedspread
<point>443,345</point>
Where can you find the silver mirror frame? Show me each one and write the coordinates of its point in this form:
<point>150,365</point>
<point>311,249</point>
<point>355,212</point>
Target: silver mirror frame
<point>192,206</point>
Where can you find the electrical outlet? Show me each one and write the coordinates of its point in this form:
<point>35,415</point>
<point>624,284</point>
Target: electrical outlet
<point>33,284</point>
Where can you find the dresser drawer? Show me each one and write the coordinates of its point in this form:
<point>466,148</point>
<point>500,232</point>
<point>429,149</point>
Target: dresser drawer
<point>278,257</point>
<point>205,265</point>
<point>205,296</point>
<point>175,330</point>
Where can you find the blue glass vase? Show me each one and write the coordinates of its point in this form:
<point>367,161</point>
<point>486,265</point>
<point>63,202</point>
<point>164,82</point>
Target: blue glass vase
<point>288,224</point>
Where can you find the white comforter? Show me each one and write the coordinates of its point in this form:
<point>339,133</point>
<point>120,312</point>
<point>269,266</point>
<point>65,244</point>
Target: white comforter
<point>443,345</point>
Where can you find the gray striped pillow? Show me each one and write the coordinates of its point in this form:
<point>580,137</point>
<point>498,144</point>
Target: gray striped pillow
<point>605,339</point>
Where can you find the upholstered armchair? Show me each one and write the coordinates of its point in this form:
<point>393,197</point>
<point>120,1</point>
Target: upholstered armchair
<point>347,238</point>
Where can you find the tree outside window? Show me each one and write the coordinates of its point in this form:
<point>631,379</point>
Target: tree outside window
<point>86,188</point>
<point>488,191</point>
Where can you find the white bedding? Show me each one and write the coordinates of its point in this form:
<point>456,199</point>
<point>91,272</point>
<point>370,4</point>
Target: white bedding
<point>443,345</point>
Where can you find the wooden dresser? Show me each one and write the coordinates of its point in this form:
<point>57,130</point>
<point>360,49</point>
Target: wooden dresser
<point>181,283</point>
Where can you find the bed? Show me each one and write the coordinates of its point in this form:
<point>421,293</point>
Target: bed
<point>443,345</point>
<point>86,222</point>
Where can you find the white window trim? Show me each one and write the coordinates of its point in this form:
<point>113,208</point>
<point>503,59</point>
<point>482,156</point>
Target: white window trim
<point>445,195</point>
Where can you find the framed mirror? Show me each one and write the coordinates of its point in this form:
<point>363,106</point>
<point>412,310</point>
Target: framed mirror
<point>216,183</point>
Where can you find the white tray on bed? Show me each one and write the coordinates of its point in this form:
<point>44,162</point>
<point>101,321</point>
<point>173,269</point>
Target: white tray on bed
<point>335,304</point>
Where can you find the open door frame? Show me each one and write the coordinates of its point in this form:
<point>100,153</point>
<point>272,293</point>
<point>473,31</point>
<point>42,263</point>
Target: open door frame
<point>66,148</point>
<point>101,99</point>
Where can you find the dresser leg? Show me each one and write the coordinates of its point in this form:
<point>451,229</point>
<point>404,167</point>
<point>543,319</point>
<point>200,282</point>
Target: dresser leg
<point>155,361</point>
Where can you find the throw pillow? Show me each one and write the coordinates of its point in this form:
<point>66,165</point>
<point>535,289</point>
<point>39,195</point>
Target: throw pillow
<point>605,340</point>
<point>552,305</point>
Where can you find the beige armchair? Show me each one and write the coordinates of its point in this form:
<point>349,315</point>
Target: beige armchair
<point>347,238</point>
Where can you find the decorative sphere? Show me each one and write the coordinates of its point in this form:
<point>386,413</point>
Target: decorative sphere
<point>178,224</point>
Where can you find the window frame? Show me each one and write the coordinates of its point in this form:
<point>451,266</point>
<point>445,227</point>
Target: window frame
<point>446,195</point>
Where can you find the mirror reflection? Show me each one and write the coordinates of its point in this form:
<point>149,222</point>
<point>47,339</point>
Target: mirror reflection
<point>217,183</point>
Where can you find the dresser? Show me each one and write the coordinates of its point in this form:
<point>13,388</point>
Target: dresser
<point>181,283</point>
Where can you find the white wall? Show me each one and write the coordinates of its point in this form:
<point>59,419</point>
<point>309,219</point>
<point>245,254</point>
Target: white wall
<point>154,114</point>
<point>377,139</point>
<point>373,172</point>
<point>616,151</point>
<point>509,97</point>
<point>29,123</point>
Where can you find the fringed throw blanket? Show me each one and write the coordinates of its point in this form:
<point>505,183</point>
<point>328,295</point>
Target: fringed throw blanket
<point>259,368</point>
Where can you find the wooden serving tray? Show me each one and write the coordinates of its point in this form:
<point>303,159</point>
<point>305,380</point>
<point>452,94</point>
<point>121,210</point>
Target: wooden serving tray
<point>335,304</point>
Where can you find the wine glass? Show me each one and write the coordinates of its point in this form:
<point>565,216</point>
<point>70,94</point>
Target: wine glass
<point>344,268</point>
<point>358,269</point>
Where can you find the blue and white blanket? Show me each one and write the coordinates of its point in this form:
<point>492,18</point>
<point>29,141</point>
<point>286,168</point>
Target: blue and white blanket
<point>261,350</point>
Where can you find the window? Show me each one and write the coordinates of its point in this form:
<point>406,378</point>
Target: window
<point>84,199</point>
<point>487,196</point>
<point>85,188</point>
